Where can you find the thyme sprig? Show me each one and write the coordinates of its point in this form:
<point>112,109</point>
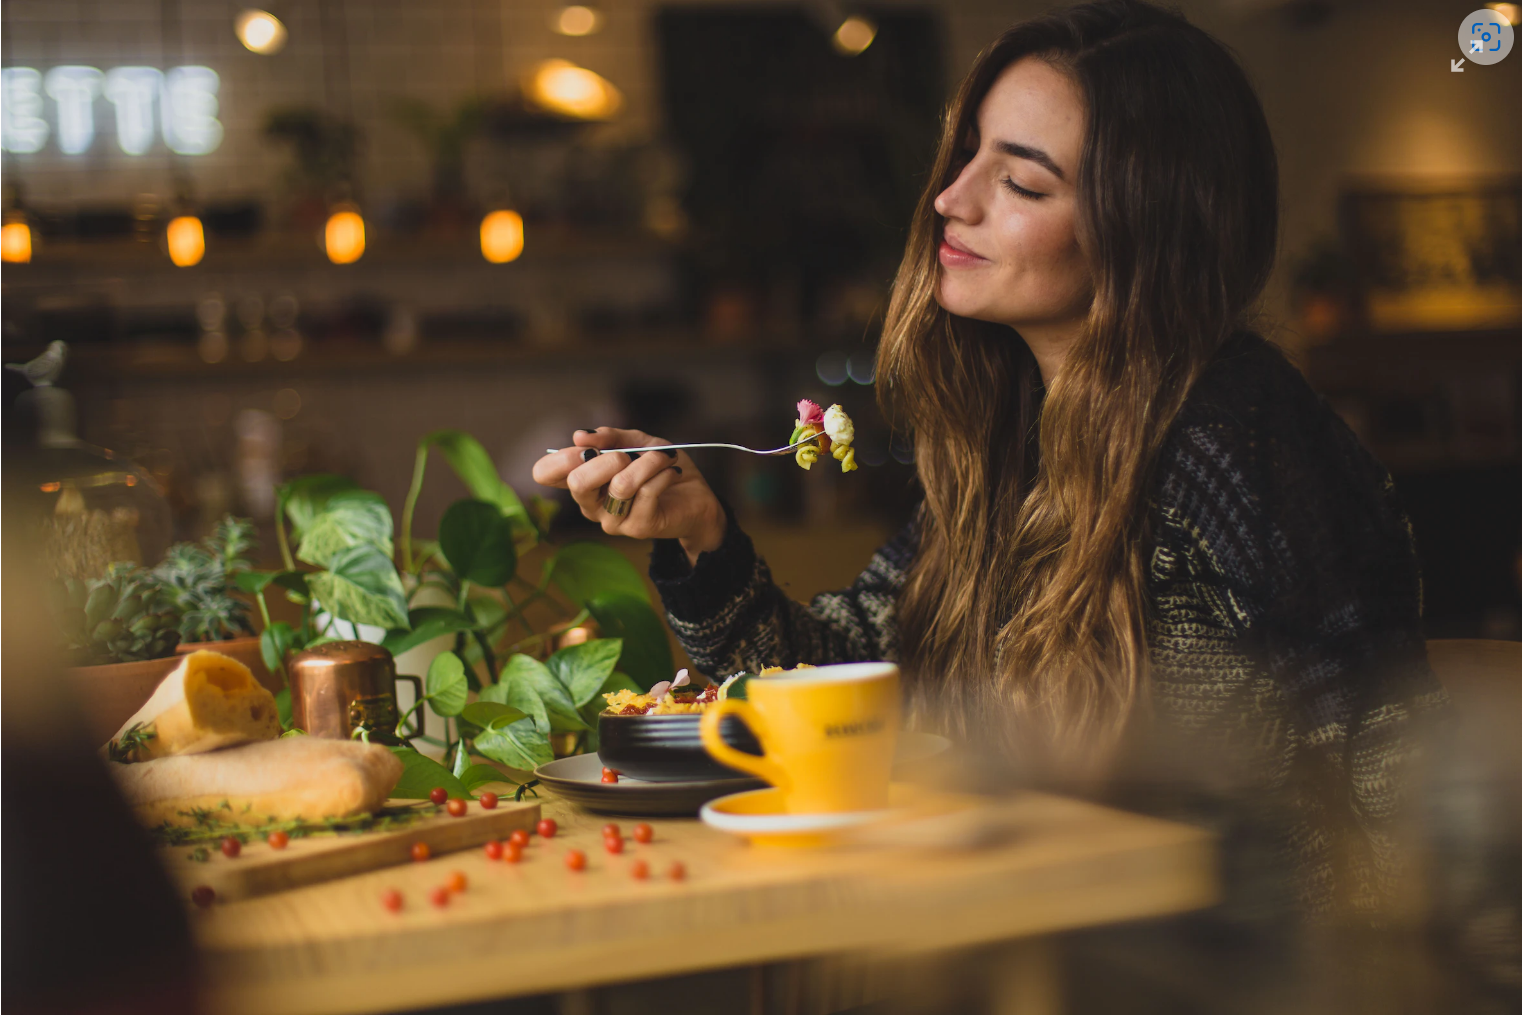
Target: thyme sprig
<point>126,747</point>
<point>207,826</point>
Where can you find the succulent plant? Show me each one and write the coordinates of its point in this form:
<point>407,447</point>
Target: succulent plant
<point>120,618</point>
<point>198,579</point>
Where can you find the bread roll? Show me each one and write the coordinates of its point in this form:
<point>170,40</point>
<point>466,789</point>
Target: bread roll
<point>273,780</point>
<point>209,701</point>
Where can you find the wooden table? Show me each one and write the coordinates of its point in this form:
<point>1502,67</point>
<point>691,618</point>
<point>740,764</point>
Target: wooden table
<point>538,927</point>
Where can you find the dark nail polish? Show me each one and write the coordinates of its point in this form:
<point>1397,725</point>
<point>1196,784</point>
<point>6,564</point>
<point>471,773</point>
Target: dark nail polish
<point>634,454</point>
<point>677,469</point>
<point>589,453</point>
<point>586,429</point>
<point>669,452</point>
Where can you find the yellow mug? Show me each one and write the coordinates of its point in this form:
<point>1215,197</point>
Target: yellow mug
<point>827,734</point>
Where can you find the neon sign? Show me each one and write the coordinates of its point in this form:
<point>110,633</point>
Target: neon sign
<point>186,98</point>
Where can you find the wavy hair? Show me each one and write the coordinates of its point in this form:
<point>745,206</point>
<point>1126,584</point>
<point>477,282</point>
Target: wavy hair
<point>1026,601</point>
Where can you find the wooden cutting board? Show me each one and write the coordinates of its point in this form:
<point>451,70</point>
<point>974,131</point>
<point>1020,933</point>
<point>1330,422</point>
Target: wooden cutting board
<point>260,868</point>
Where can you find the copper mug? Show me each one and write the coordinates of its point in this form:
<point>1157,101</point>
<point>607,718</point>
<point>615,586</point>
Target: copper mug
<point>342,686</point>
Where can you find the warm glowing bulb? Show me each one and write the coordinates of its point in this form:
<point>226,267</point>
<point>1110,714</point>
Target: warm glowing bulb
<point>344,237</point>
<point>1511,12</point>
<point>260,31</point>
<point>562,87</point>
<point>502,236</point>
<point>854,35</point>
<point>15,243</point>
<point>576,20</point>
<point>187,241</point>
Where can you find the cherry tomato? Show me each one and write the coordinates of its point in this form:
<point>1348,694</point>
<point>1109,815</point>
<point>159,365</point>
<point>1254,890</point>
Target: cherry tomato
<point>610,829</point>
<point>519,837</point>
<point>643,832</point>
<point>639,870</point>
<point>547,828</point>
<point>489,801</point>
<point>439,896</point>
<point>203,895</point>
<point>677,871</point>
<point>456,882</point>
<point>421,851</point>
<point>456,808</point>
<point>231,847</point>
<point>278,840</point>
<point>576,860</point>
<point>438,794</point>
<point>613,843</point>
<point>392,900</point>
<point>494,850</point>
<point>513,852</point>
<point>608,775</point>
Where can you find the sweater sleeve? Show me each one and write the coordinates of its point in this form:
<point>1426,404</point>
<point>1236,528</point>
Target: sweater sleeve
<point>729,615</point>
<point>1301,534</point>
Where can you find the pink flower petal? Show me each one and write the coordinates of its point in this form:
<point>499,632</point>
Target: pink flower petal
<point>809,412</point>
<point>660,689</point>
<point>682,680</point>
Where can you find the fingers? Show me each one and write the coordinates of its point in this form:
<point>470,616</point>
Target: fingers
<point>614,474</point>
<point>645,515</point>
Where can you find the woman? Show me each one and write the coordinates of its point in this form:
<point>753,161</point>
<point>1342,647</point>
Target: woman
<point>1138,520</point>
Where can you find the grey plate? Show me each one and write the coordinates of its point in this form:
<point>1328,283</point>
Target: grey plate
<point>579,780</point>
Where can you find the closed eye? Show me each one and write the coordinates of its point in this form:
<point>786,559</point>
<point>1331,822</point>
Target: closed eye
<point>1015,188</point>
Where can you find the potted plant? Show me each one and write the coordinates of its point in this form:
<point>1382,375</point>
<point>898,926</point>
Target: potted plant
<point>509,683</point>
<point>121,631</point>
<point>200,579</point>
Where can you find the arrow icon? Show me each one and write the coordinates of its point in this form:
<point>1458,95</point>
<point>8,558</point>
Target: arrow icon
<point>1457,66</point>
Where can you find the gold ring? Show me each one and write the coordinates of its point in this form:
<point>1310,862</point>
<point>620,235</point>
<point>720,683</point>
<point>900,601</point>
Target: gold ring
<point>616,506</point>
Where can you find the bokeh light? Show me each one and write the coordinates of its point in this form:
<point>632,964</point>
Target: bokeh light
<point>577,20</point>
<point>560,86</point>
<point>344,236</point>
<point>502,236</point>
<point>16,242</point>
<point>260,31</point>
<point>854,35</point>
<point>186,240</point>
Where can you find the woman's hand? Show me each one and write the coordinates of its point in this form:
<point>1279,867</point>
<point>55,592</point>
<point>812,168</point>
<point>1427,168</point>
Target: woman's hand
<point>669,499</point>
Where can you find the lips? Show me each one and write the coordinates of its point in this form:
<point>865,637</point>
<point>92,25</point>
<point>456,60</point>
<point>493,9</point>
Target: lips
<point>954,255</point>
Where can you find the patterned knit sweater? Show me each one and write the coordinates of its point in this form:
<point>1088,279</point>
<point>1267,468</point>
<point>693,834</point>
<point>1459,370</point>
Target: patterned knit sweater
<point>1288,666</point>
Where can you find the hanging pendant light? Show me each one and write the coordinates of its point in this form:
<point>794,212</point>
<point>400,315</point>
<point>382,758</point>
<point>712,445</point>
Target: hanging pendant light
<point>16,239</point>
<point>502,236</point>
<point>344,235</point>
<point>186,240</point>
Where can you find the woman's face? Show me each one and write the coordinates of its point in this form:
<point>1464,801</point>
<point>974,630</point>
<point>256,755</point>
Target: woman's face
<point>1009,249</point>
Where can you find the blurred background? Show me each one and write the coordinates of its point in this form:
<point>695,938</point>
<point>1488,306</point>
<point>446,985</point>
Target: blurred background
<point>296,239</point>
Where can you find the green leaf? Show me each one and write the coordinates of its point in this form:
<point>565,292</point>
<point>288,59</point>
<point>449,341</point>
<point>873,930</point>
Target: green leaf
<point>361,586</point>
<point>476,776</point>
<point>461,759</point>
<point>520,745</point>
<point>348,518</point>
<point>254,582</point>
<point>275,644</point>
<point>520,696</point>
<point>478,542</point>
<point>421,774</point>
<point>283,707</point>
<point>647,649</point>
<point>488,713</point>
<point>476,470</point>
<point>427,623</point>
<point>583,668</point>
<point>586,569</point>
<point>738,690</point>
<point>446,685</point>
<point>303,498</point>
<point>526,680</point>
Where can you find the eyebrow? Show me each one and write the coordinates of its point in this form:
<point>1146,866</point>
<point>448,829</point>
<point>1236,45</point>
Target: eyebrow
<point>1035,155</point>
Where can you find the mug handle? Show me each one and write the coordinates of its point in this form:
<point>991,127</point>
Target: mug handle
<point>713,741</point>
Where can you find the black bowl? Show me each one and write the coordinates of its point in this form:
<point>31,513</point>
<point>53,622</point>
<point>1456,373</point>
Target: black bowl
<point>668,748</point>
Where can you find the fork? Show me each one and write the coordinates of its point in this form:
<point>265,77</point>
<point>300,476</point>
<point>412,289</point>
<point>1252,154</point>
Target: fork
<point>678,447</point>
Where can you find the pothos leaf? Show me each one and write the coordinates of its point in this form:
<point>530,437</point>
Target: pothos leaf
<point>477,776</point>
<point>446,685</point>
<point>349,518</point>
<point>361,586</point>
<point>428,623</point>
<point>526,677</point>
<point>518,745</point>
<point>485,713</point>
<point>421,774</point>
<point>583,668</point>
<point>647,649</point>
<point>583,569</point>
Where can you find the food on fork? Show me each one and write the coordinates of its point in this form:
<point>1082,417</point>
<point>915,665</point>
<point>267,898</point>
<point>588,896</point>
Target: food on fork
<point>834,432</point>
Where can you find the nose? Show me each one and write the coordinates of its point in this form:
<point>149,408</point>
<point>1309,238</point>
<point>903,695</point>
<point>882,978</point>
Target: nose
<point>958,201</point>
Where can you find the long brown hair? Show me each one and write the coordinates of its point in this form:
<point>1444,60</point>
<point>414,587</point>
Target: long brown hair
<point>1025,603</point>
